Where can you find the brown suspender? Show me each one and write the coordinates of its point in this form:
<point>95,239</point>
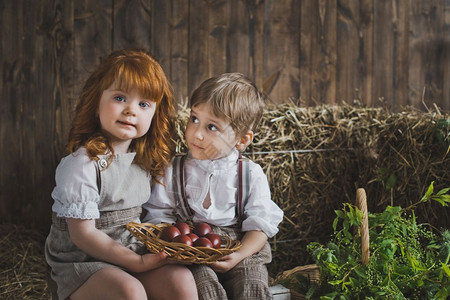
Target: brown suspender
<point>180,194</point>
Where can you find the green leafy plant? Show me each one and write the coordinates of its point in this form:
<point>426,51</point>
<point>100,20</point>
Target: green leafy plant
<point>442,132</point>
<point>408,260</point>
<point>387,177</point>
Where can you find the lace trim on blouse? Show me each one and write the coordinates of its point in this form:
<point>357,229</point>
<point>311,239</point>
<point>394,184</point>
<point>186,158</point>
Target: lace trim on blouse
<point>76,193</point>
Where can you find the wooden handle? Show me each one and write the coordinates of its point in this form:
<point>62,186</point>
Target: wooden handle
<point>361,202</point>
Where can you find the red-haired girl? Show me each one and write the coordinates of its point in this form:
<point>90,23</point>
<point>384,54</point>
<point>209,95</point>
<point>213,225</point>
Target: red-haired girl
<point>119,140</point>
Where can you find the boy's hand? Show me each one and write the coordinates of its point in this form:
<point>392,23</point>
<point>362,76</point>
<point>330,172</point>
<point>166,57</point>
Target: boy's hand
<point>252,242</point>
<point>227,262</point>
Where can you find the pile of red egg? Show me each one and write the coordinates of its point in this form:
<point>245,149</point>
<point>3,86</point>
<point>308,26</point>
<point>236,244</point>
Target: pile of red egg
<point>201,235</point>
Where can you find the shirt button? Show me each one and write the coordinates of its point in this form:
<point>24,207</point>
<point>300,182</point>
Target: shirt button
<point>102,163</point>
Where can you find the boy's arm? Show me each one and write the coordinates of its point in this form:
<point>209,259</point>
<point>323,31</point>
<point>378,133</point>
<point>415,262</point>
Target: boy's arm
<point>161,205</point>
<point>252,242</point>
<point>261,213</point>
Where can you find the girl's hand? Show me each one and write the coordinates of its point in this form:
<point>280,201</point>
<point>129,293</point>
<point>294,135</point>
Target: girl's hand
<point>99,245</point>
<point>150,261</point>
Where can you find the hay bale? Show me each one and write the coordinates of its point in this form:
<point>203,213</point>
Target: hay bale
<point>316,157</point>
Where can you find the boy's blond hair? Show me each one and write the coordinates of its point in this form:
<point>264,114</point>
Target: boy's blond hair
<point>234,97</point>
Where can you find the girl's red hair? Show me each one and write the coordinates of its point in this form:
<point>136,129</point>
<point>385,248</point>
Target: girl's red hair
<point>128,69</point>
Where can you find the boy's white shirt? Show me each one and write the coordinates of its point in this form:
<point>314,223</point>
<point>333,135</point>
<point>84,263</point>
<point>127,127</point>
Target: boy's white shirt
<point>220,178</point>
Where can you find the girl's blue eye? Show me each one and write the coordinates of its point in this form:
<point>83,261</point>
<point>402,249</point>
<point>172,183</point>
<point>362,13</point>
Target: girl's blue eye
<point>144,104</point>
<point>119,98</point>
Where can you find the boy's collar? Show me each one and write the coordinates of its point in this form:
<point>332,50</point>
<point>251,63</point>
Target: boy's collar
<point>221,163</point>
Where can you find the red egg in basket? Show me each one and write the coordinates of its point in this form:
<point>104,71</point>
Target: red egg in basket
<point>193,236</point>
<point>203,242</point>
<point>183,227</point>
<point>184,239</point>
<point>169,233</point>
<point>202,229</point>
<point>215,239</point>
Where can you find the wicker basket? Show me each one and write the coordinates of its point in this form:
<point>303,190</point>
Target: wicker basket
<point>149,234</point>
<point>312,272</point>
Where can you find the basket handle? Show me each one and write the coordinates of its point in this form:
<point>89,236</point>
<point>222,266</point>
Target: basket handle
<point>361,202</point>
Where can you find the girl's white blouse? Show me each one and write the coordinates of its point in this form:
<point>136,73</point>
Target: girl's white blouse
<point>76,193</point>
<point>220,178</point>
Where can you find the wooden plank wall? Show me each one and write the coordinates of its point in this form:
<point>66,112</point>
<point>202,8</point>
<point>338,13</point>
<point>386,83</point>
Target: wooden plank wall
<point>319,51</point>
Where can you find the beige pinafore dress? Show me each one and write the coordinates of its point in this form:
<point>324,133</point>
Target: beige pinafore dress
<point>123,187</point>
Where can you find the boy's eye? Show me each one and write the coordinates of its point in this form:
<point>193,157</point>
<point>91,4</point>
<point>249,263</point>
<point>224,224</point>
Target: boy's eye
<point>119,98</point>
<point>213,127</point>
